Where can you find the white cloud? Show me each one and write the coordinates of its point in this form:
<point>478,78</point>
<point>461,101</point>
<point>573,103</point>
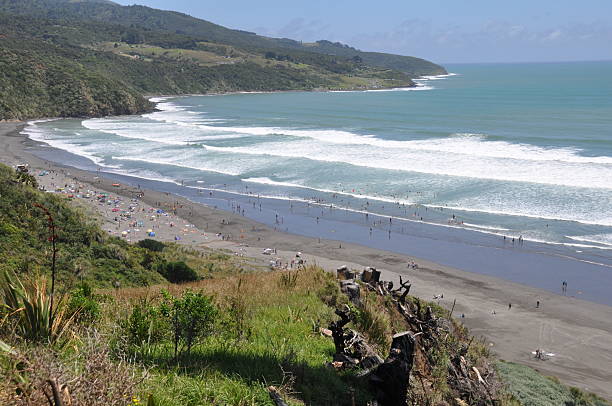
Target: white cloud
<point>553,35</point>
<point>491,41</point>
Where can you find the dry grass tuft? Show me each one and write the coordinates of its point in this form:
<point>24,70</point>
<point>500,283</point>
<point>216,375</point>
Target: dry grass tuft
<point>88,376</point>
<point>257,288</point>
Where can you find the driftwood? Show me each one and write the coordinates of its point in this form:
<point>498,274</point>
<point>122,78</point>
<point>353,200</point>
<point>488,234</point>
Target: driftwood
<point>337,328</point>
<point>352,349</point>
<point>56,394</point>
<point>403,285</point>
<point>390,379</point>
<point>276,397</point>
<point>351,289</point>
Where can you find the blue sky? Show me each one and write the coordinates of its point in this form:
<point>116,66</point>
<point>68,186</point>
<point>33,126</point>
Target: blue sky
<point>445,31</point>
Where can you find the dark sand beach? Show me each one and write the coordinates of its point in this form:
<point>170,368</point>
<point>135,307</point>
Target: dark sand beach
<point>481,272</point>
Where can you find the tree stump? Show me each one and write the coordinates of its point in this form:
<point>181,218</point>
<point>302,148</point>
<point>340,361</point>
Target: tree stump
<point>390,379</point>
<point>337,328</point>
<point>351,289</point>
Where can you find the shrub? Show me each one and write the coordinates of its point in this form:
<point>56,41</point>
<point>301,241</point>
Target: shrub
<point>177,272</point>
<point>152,245</point>
<point>144,325</point>
<point>191,317</point>
<point>84,303</point>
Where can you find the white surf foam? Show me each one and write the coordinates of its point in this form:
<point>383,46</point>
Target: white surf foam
<point>438,158</point>
<point>38,134</point>
<point>437,77</point>
<point>167,135</point>
<point>456,209</point>
<point>357,195</point>
<point>542,216</point>
<point>486,227</point>
<point>603,239</point>
<point>469,144</point>
<point>177,164</point>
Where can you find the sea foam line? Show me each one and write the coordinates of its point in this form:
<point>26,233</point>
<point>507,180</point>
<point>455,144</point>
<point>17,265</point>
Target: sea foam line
<point>36,134</point>
<point>482,230</point>
<point>112,169</point>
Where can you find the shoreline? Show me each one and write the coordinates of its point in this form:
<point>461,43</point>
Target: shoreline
<point>532,263</point>
<point>579,332</point>
<point>416,81</point>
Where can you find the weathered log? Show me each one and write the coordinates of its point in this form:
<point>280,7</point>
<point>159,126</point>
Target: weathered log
<point>351,289</point>
<point>347,361</point>
<point>337,328</point>
<point>57,397</point>
<point>403,285</point>
<point>276,397</point>
<point>390,379</point>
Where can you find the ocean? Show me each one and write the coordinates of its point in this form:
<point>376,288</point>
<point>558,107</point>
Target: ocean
<point>516,150</point>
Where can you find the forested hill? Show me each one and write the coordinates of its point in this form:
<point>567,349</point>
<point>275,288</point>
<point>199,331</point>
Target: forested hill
<point>175,22</point>
<point>95,58</point>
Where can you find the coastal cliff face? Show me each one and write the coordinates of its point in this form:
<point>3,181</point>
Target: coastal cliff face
<point>65,59</point>
<point>34,86</point>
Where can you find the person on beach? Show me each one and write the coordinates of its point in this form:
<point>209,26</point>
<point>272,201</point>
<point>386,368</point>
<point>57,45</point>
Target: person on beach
<point>509,306</point>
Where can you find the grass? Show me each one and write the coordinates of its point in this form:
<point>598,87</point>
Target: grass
<point>531,388</point>
<point>283,346</point>
<point>266,332</point>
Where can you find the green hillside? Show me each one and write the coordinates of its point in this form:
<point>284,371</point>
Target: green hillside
<point>58,67</point>
<point>180,23</point>
<point>61,58</point>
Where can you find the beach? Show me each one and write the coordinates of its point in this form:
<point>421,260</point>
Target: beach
<point>577,332</point>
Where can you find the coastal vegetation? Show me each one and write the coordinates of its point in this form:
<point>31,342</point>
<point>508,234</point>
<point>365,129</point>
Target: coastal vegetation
<point>159,324</point>
<point>74,59</point>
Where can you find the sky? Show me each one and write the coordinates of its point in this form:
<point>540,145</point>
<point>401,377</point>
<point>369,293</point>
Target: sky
<point>444,31</point>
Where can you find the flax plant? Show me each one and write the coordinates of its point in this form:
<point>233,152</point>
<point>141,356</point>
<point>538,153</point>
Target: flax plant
<point>28,304</point>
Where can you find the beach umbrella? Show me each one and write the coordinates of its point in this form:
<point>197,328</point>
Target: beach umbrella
<point>149,231</point>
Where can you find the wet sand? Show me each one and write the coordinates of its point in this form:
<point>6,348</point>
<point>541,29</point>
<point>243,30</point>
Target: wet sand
<point>578,332</point>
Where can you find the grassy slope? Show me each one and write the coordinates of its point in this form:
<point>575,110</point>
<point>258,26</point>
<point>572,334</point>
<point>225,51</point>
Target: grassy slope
<point>266,332</point>
<point>181,23</point>
<point>41,80</point>
<point>533,389</point>
<point>85,252</point>
<point>279,346</point>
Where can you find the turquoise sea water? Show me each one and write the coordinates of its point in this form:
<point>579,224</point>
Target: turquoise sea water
<point>515,150</point>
